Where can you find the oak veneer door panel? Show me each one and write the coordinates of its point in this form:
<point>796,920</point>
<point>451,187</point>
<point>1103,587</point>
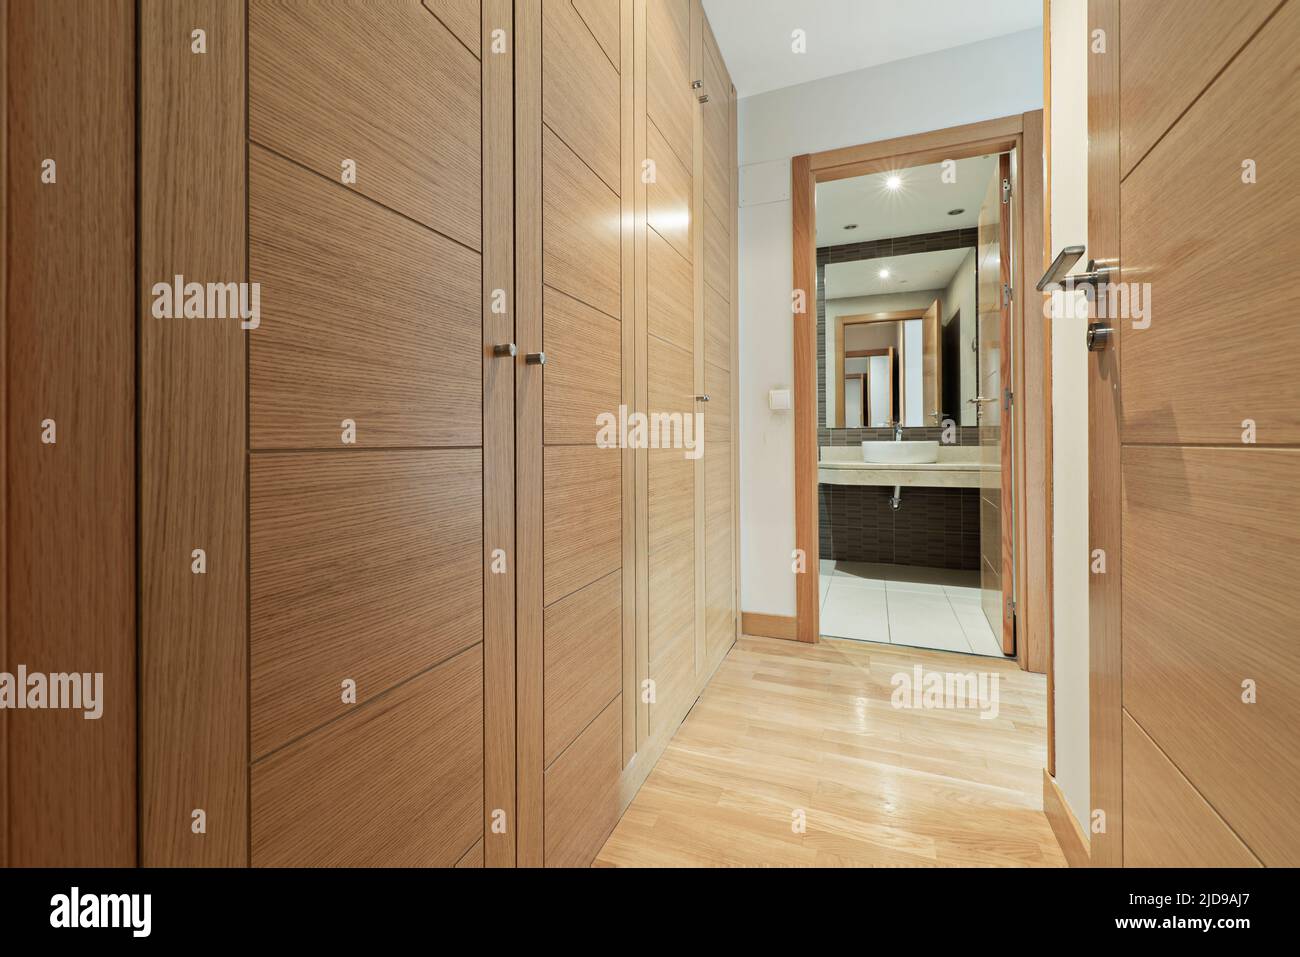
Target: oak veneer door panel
<point>584,637</point>
<point>580,101</point>
<point>717,252</point>
<point>717,331</point>
<point>671,541</point>
<point>717,131</point>
<point>1197,493</point>
<point>668,197</point>
<point>572,715</point>
<point>1167,823</point>
<point>398,782</point>
<point>719,526</point>
<point>1240,235</point>
<point>368,559</point>
<point>1171,52</point>
<point>363,566</point>
<point>193,442</point>
<point>407,112</point>
<point>582,798</point>
<point>716,342</point>
<point>69,352</point>
<point>582,377</point>
<point>583,518</point>
<point>368,316</point>
<point>604,19</point>
<point>1196,628</point>
<point>668,76</point>
<point>462,18</point>
<point>670,294</point>
<point>581,241</point>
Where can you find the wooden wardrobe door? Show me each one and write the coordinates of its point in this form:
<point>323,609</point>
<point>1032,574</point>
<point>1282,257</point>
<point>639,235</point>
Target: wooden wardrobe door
<point>716,339</point>
<point>670,361</point>
<point>571,490</point>
<point>379,443</point>
<point>67,345</point>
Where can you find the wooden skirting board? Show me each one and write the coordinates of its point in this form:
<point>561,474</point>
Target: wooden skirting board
<point>769,626</point>
<point>1074,843</point>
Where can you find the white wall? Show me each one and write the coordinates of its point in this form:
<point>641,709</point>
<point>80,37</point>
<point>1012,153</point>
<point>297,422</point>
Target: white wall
<point>960,296</point>
<point>913,374</point>
<point>1069,191</point>
<point>981,81</point>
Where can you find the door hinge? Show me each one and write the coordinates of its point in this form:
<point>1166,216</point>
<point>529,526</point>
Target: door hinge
<point>1008,398</point>
<point>1011,608</point>
<point>1007,292</point>
<point>1006,191</point>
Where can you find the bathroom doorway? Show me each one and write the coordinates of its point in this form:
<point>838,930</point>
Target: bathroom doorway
<point>909,502</point>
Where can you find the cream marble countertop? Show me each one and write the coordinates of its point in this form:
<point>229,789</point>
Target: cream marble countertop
<point>958,467</point>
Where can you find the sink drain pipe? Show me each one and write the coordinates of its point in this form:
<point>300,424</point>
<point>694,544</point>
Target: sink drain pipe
<point>896,502</point>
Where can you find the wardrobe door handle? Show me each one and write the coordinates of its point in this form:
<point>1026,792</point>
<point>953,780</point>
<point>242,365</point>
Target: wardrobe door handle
<point>701,398</point>
<point>535,358</point>
<point>505,350</point>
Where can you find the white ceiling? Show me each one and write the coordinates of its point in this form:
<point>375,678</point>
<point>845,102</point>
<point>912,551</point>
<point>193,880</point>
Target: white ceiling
<point>915,273</point>
<point>847,35</point>
<point>920,205</point>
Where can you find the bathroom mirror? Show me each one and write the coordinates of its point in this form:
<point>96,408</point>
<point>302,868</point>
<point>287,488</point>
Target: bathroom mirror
<point>896,305</point>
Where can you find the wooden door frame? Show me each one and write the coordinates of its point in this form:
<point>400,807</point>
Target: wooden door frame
<point>1004,134</point>
<point>861,320</point>
<point>1105,717</point>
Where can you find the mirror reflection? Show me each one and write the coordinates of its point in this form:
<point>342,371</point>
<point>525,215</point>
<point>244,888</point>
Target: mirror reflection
<point>898,299</point>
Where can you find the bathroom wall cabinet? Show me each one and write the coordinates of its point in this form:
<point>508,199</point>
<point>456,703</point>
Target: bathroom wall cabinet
<point>396,604</point>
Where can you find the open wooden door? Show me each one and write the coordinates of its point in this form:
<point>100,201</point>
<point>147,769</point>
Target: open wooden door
<point>1194,437</point>
<point>993,258</point>
<point>932,365</point>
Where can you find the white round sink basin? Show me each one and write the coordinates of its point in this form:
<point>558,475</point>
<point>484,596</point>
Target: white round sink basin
<point>901,453</point>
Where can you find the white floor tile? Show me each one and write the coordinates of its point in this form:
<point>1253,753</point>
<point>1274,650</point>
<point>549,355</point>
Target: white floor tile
<point>975,625</point>
<point>932,580</point>
<point>850,611</point>
<point>925,621</point>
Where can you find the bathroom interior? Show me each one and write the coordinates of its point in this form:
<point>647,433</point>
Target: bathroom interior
<point>911,431</point>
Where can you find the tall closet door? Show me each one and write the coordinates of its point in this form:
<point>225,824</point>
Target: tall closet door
<point>574,496</point>
<point>670,334</point>
<point>371,405</point>
<point>717,341</point>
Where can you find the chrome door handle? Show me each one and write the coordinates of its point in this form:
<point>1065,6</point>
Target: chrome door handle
<point>535,358</point>
<point>505,350</point>
<point>979,399</point>
<point>1058,272</point>
<point>701,398</point>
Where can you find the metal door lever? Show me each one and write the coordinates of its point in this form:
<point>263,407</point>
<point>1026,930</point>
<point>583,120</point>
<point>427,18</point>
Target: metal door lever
<point>1058,272</point>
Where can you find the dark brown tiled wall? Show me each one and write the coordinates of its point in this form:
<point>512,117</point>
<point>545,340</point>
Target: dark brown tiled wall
<point>898,246</point>
<point>937,527</point>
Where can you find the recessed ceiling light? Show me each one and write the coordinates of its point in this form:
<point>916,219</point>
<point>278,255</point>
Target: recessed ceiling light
<point>955,212</point>
<point>884,274</point>
<point>894,182</point>
<point>851,226</point>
